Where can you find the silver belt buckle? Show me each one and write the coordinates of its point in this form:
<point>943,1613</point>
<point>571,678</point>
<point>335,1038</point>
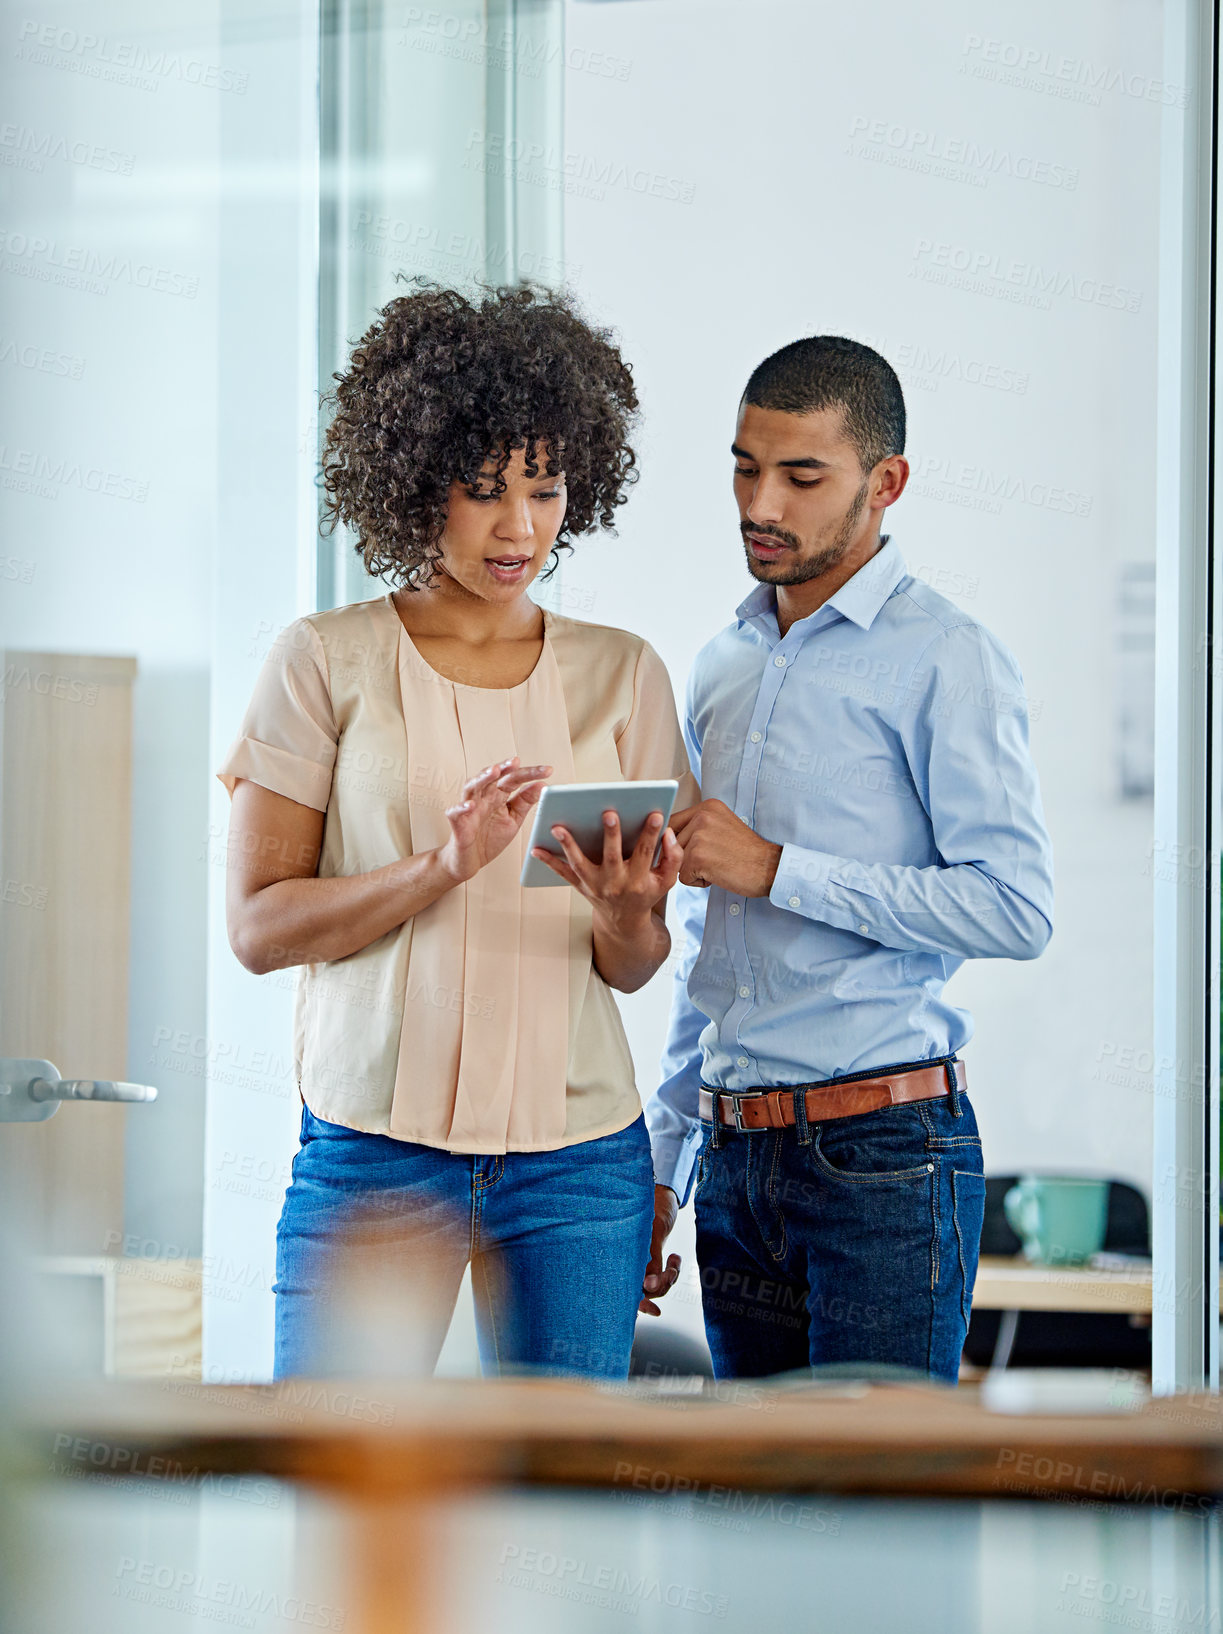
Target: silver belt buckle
<point>719,1097</point>
<point>737,1096</point>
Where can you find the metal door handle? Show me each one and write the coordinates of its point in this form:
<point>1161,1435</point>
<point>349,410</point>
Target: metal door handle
<point>89,1089</point>
<point>30,1091</point>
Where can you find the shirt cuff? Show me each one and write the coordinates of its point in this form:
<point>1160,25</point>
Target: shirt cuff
<point>801,882</point>
<point>278,770</point>
<point>675,1161</point>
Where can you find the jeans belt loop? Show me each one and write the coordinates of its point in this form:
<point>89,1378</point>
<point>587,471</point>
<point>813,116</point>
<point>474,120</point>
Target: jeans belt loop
<point>715,1140</point>
<point>801,1127</point>
<point>957,1110</point>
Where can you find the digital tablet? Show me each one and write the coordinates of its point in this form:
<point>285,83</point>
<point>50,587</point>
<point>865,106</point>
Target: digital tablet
<point>579,807</point>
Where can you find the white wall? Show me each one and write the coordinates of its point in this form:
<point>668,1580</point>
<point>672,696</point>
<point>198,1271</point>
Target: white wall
<point>722,199</point>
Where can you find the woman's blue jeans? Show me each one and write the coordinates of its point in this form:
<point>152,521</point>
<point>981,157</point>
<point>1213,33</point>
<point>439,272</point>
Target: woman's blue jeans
<point>557,1241</point>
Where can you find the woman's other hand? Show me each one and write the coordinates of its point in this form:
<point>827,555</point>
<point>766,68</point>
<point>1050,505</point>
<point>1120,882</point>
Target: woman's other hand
<point>488,815</point>
<point>624,889</point>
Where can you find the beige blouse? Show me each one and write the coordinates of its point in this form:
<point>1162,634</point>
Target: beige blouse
<point>480,1024</point>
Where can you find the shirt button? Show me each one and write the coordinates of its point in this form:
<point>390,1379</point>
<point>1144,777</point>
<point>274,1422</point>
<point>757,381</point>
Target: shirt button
<point>755,737</point>
<point>796,901</point>
<point>734,907</point>
<point>741,1061</point>
<point>745,992</point>
<point>863,929</point>
<point>780,662</point>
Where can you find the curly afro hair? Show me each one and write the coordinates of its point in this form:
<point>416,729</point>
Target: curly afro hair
<point>441,384</point>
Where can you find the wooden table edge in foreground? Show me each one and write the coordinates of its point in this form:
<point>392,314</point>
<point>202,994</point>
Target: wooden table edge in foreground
<point>382,1441</point>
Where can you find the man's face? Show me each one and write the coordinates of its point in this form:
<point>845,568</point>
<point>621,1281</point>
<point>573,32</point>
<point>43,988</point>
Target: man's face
<point>804,499</point>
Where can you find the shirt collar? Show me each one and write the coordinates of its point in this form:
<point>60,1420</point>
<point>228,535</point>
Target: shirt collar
<point>859,599</point>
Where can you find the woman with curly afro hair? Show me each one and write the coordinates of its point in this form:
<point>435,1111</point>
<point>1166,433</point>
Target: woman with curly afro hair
<point>467,1089</point>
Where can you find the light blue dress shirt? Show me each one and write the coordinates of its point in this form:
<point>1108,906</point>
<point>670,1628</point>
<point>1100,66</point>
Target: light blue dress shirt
<point>883,743</point>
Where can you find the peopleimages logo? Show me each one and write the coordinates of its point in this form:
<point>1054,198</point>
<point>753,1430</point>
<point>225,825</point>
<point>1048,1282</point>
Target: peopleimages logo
<point>934,365</point>
<point>931,471</point>
<point>24,355</point>
<point>550,166</point>
<point>35,147</point>
<point>473,39</point>
<point>613,1588</point>
<point>97,56</point>
<point>48,261</point>
<point>958,158</point>
<point>33,471</point>
<point>1026,283</point>
<point>928,365</point>
<point>217,1599</point>
<point>1078,79</point>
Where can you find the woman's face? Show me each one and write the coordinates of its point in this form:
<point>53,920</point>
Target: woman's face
<point>495,545</point>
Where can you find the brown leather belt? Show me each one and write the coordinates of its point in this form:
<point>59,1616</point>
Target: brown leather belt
<point>774,1108</point>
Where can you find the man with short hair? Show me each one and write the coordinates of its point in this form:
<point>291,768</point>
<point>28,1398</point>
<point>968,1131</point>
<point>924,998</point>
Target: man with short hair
<point>869,819</point>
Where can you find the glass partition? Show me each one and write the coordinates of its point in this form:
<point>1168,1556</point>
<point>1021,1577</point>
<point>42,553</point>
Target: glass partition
<point>433,127</point>
<point>205,204</point>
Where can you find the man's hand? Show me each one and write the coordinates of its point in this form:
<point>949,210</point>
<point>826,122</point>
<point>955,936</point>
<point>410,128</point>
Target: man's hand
<point>657,1279</point>
<point>720,849</point>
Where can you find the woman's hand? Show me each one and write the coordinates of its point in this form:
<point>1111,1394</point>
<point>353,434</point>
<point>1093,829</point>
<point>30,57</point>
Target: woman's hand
<point>624,889</point>
<point>630,937</point>
<point>489,815</point>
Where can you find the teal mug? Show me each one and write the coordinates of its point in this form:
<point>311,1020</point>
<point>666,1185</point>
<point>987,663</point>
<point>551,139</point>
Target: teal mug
<point>1060,1220</point>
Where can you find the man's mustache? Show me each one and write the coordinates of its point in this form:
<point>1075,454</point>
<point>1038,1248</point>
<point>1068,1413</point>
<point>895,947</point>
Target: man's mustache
<point>781,536</point>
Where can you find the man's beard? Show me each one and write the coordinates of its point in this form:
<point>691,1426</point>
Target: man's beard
<point>807,567</point>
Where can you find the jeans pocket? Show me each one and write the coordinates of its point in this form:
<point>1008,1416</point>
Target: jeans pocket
<point>702,1168</point>
<point>874,1149</point>
<point>968,1212</point>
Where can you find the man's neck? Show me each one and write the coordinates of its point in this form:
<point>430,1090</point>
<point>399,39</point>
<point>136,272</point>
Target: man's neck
<point>795,601</point>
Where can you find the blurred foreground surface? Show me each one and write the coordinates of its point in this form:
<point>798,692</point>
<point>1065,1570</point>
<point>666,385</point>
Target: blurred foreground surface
<point>252,1553</point>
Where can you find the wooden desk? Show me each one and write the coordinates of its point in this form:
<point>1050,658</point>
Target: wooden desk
<point>394,1438</point>
<point>387,1452</point>
<point>1013,1285</point>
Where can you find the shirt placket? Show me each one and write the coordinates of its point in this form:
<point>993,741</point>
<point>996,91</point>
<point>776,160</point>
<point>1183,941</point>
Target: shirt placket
<point>781,651</point>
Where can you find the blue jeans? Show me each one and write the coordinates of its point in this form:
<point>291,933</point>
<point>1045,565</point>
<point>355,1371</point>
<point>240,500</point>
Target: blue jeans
<point>856,1246</point>
<point>557,1241</point>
